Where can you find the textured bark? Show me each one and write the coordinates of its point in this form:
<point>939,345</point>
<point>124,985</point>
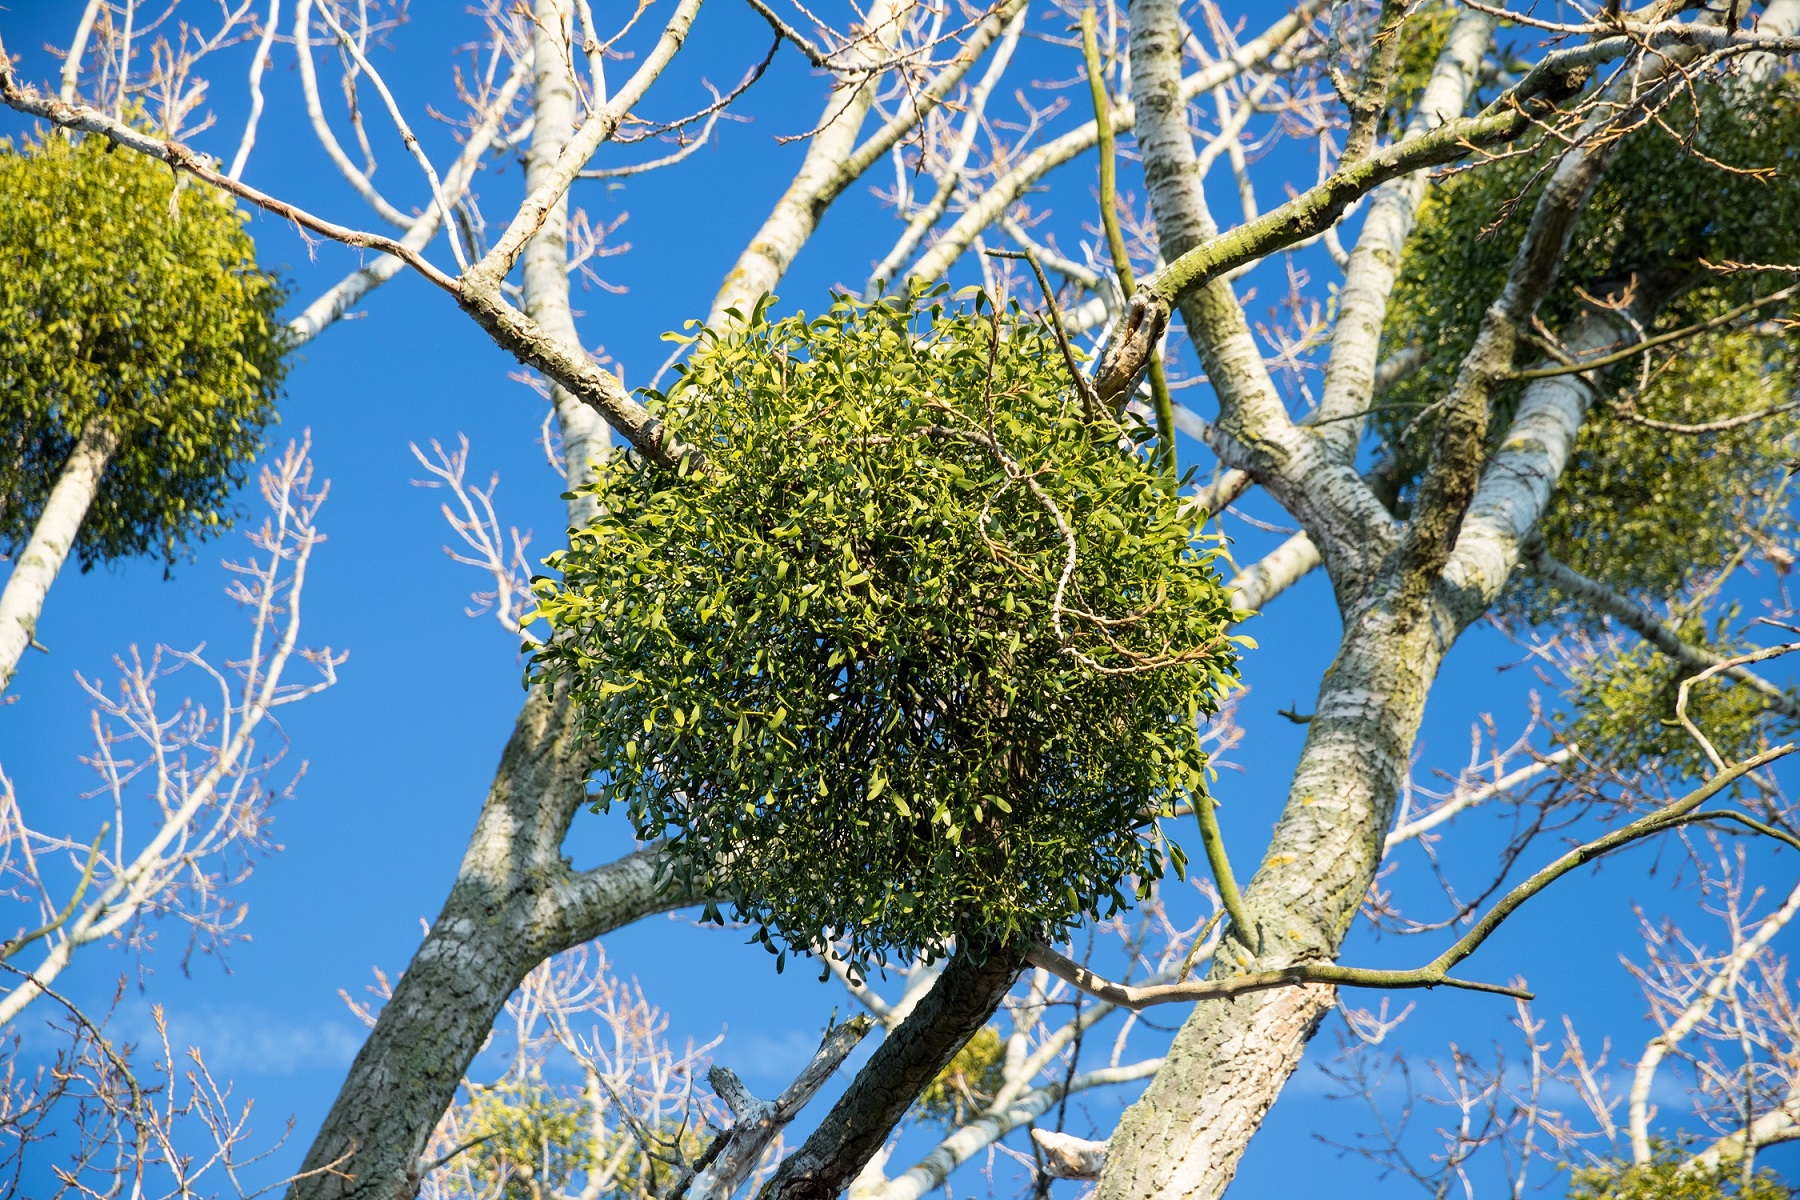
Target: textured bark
<point>1230,1059</point>
<point>1350,372</point>
<point>1517,482</point>
<point>52,537</point>
<point>1253,432</point>
<point>920,1047</point>
<point>515,902</point>
<point>585,438</point>
<point>818,182</point>
<point>1557,77</point>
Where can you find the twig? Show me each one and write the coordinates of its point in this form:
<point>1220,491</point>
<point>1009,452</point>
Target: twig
<point>1163,402</point>
<point>1435,973</point>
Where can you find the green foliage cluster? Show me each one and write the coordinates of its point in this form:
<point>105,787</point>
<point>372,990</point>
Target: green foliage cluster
<point>1620,707</point>
<point>1667,1177</point>
<point>533,1140</point>
<point>1641,510</point>
<point>1644,509</point>
<point>849,669</point>
<point>538,1140</point>
<point>126,298</point>
<point>969,1083</point>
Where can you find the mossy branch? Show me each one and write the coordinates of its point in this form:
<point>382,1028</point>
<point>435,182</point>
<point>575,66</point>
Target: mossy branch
<point>1161,398</point>
<point>1436,973</point>
<point>1229,895</point>
<point>1556,78</point>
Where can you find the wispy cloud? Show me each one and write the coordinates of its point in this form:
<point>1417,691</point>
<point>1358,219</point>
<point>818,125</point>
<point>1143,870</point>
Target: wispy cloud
<point>243,1041</point>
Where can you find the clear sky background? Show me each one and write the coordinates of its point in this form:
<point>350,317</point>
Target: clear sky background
<point>400,753</point>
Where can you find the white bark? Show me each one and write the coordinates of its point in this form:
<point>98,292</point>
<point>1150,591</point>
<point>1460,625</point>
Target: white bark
<point>760,1122</point>
<point>201,803</point>
<point>599,127</point>
<point>1517,483</point>
<point>1771,1128</point>
<point>772,251</point>
<point>1780,19</point>
<point>1273,574</point>
<point>71,71</point>
<point>1474,797</point>
<point>1723,980</point>
<point>337,300</point>
<point>585,436</point>
<point>1069,1157</point>
<point>52,537</point>
<point>1375,262</point>
<point>1253,431</point>
<point>1230,1060</point>
<point>516,901</point>
<point>315,109</point>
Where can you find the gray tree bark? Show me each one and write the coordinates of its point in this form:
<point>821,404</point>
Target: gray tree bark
<point>52,537</point>
<point>1402,610</point>
<point>911,1056</point>
<point>586,438</point>
<point>516,901</point>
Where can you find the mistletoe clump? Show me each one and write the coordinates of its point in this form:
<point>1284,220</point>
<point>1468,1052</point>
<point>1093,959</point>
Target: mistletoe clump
<point>911,648</point>
<point>130,300</point>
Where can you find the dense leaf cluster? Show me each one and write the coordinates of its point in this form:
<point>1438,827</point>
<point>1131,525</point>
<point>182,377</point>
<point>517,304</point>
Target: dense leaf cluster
<point>527,1140</point>
<point>1669,1176</point>
<point>1640,509</point>
<point>1652,512</point>
<point>127,298</point>
<point>918,655</point>
<point>530,1138</point>
<point>1621,706</point>
<point>965,1088</point>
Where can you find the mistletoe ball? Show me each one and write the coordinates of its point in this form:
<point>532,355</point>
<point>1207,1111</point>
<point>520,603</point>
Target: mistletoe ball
<point>914,648</point>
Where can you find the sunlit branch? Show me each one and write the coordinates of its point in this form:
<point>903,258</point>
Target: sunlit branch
<point>1435,973</point>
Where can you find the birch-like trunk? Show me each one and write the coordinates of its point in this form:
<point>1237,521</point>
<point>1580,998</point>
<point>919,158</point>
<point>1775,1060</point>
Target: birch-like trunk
<point>585,436</point>
<point>1230,1059</point>
<point>22,603</point>
<point>1349,382</point>
<point>820,178</point>
<point>515,903</point>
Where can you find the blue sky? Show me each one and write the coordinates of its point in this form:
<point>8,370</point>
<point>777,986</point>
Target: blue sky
<point>400,753</point>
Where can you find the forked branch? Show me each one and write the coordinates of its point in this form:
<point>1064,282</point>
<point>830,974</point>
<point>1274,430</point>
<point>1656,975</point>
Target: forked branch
<point>1435,973</point>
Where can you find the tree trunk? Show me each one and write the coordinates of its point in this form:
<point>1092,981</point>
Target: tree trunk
<point>585,436</point>
<point>1229,1061</point>
<point>22,603</point>
<point>914,1053</point>
<point>515,903</point>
